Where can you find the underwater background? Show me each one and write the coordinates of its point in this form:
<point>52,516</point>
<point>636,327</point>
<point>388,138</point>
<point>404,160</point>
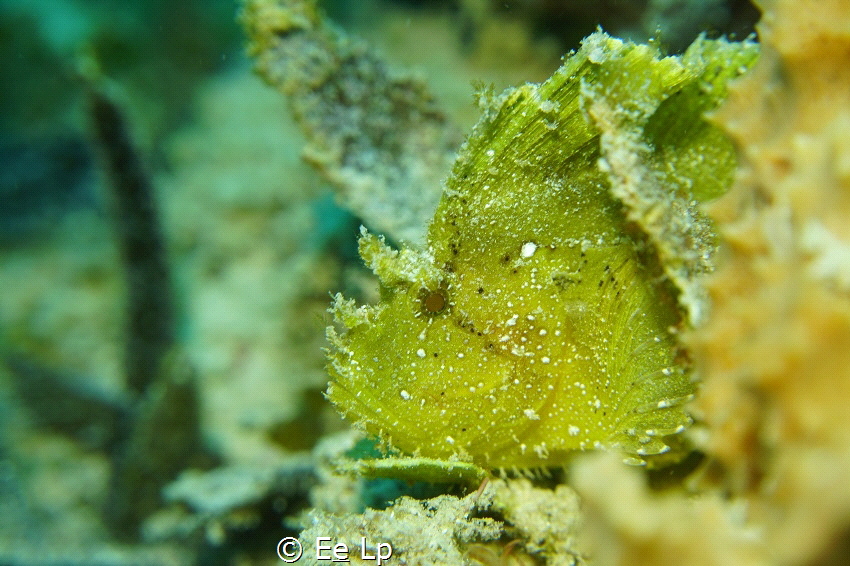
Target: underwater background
<point>168,252</point>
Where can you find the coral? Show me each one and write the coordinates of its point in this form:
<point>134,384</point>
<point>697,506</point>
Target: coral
<point>434,531</point>
<point>375,134</point>
<point>546,520</point>
<point>532,522</point>
<point>539,296</point>
<point>625,523</point>
<point>775,352</point>
<point>227,499</point>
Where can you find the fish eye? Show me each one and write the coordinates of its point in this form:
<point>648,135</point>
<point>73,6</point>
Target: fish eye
<point>433,302</point>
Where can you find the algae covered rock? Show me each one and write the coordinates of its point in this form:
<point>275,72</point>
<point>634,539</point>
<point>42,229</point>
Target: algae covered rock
<point>541,318</point>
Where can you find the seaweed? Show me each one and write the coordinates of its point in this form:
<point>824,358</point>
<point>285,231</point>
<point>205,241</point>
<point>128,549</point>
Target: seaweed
<point>150,313</point>
<point>163,434</point>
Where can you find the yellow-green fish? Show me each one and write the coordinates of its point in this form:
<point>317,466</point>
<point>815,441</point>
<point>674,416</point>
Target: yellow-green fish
<point>540,319</point>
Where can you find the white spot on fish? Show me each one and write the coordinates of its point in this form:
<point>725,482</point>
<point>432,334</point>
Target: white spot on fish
<point>528,249</point>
